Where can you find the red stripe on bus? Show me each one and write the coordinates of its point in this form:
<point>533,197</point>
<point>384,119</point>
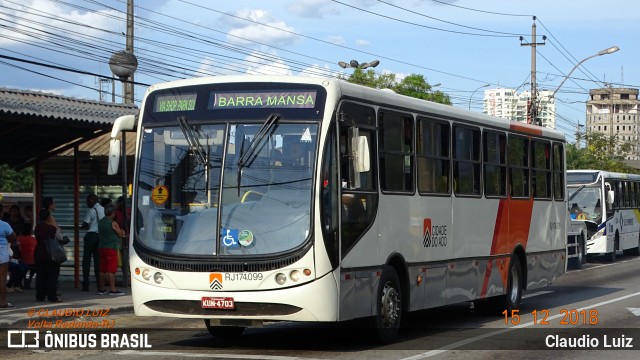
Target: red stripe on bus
<point>485,283</point>
<point>513,222</point>
<point>519,223</point>
<point>528,129</point>
<point>501,229</point>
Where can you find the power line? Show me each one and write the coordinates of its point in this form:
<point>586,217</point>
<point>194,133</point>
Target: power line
<point>445,21</point>
<point>421,25</point>
<point>66,69</point>
<point>565,49</point>
<point>481,11</point>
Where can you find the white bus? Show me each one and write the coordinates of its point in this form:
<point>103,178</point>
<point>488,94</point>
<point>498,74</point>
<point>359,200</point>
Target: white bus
<point>610,202</point>
<point>264,198</point>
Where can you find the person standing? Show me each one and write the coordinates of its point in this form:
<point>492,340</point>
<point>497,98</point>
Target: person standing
<point>48,271</point>
<point>28,214</point>
<point>50,204</point>
<point>91,239</point>
<point>7,235</point>
<point>27,243</point>
<point>15,219</point>
<point>110,235</point>
<point>123,221</point>
<point>105,201</point>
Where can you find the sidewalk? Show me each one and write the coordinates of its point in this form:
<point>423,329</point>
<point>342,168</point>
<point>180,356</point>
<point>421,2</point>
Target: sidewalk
<point>73,299</point>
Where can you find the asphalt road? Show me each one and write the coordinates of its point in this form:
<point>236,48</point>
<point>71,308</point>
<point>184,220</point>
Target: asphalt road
<point>595,304</point>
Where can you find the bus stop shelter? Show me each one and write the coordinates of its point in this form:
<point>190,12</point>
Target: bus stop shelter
<point>57,136</point>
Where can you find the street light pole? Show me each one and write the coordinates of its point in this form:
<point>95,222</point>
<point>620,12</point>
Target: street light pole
<point>474,91</point>
<point>607,51</point>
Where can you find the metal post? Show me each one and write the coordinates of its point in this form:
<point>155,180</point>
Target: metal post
<point>76,217</point>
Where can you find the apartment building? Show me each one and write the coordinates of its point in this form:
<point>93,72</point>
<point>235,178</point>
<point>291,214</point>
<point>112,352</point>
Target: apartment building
<point>614,112</point>
<point>509,104</point>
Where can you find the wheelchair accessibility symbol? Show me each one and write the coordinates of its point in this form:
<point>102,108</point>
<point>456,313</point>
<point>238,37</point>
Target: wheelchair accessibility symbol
<point>230,238</point>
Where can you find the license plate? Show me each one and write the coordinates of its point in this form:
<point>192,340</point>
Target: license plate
<point>226,303</point>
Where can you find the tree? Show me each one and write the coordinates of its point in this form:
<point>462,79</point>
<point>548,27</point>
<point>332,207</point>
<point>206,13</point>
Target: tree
<point>15,181</point>
<point>413,85</point>
<point>602,153</point>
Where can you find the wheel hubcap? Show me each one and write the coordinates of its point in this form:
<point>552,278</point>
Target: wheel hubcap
<point>515,285</point>
<point>580,253</point>
<point>390,305</point>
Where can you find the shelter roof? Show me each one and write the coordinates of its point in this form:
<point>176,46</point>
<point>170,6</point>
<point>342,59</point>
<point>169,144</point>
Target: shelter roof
<point>36,125</point>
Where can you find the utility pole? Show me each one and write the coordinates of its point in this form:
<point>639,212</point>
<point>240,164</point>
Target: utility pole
<point>128,87</point>
<point>123,64</point>
<point>128,99</point>
<point>533,110</point>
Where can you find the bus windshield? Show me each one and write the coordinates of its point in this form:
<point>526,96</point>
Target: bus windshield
<point>225,189</point>
<point>586,203</point>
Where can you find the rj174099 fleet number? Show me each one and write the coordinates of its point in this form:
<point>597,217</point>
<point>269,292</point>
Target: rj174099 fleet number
<point>248,276</point>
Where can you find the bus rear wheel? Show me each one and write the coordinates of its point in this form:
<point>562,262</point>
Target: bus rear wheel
<point>388,307</point>
<point>509,301</point>
<point>223,331</point>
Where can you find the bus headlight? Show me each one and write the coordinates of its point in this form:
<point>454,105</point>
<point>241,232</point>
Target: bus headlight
<point>281,278</point>
<point>146,274</point>
<point>599,233</point>
<point>294,275</point>
<point>157,277</point>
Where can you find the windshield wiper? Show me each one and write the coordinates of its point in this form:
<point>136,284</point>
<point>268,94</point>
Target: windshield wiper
<point>245,157</point>
<point>576,193</point>
<point>248,156</point>
<point>193,139</point>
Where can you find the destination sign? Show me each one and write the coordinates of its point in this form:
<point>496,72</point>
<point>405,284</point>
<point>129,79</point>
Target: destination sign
<point>263,99</point>
<point>175,102</point>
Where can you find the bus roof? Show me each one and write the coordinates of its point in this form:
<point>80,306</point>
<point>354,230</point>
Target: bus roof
<point>604,174</point>
<point>376,96</point>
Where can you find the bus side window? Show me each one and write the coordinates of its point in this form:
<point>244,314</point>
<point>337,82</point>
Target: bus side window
<point>432,152</point>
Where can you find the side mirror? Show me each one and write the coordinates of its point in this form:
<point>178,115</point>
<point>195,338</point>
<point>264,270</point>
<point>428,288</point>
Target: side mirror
<point>114,156</point>
<point>362,157</point>
<point>123,123</point>
<point>610,197</point>
<point>359,157</point>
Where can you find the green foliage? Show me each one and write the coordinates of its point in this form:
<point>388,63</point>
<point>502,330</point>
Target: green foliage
<point>413,85</point>
<point>601,153</point>
<point>15,181</point>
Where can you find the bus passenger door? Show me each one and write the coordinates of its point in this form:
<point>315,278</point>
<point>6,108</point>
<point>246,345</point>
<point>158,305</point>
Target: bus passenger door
<point>357,208</point>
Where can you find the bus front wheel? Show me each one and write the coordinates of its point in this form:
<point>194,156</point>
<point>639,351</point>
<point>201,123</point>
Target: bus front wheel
<point>581,258</point>
<point>223,331</point>
<point>611,257</point>
<point>388,307</point>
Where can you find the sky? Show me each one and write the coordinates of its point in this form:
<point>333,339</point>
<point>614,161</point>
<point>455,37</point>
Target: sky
<point>460,44</point>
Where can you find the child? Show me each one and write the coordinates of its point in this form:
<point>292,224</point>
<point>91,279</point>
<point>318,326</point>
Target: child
<point>27,245</point>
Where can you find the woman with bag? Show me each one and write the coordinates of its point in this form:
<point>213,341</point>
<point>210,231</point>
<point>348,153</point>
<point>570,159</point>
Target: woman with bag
<point>47,270</point>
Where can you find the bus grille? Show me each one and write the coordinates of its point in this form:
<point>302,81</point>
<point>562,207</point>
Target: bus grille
<point>190,307</point>
<point>190,266</point>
